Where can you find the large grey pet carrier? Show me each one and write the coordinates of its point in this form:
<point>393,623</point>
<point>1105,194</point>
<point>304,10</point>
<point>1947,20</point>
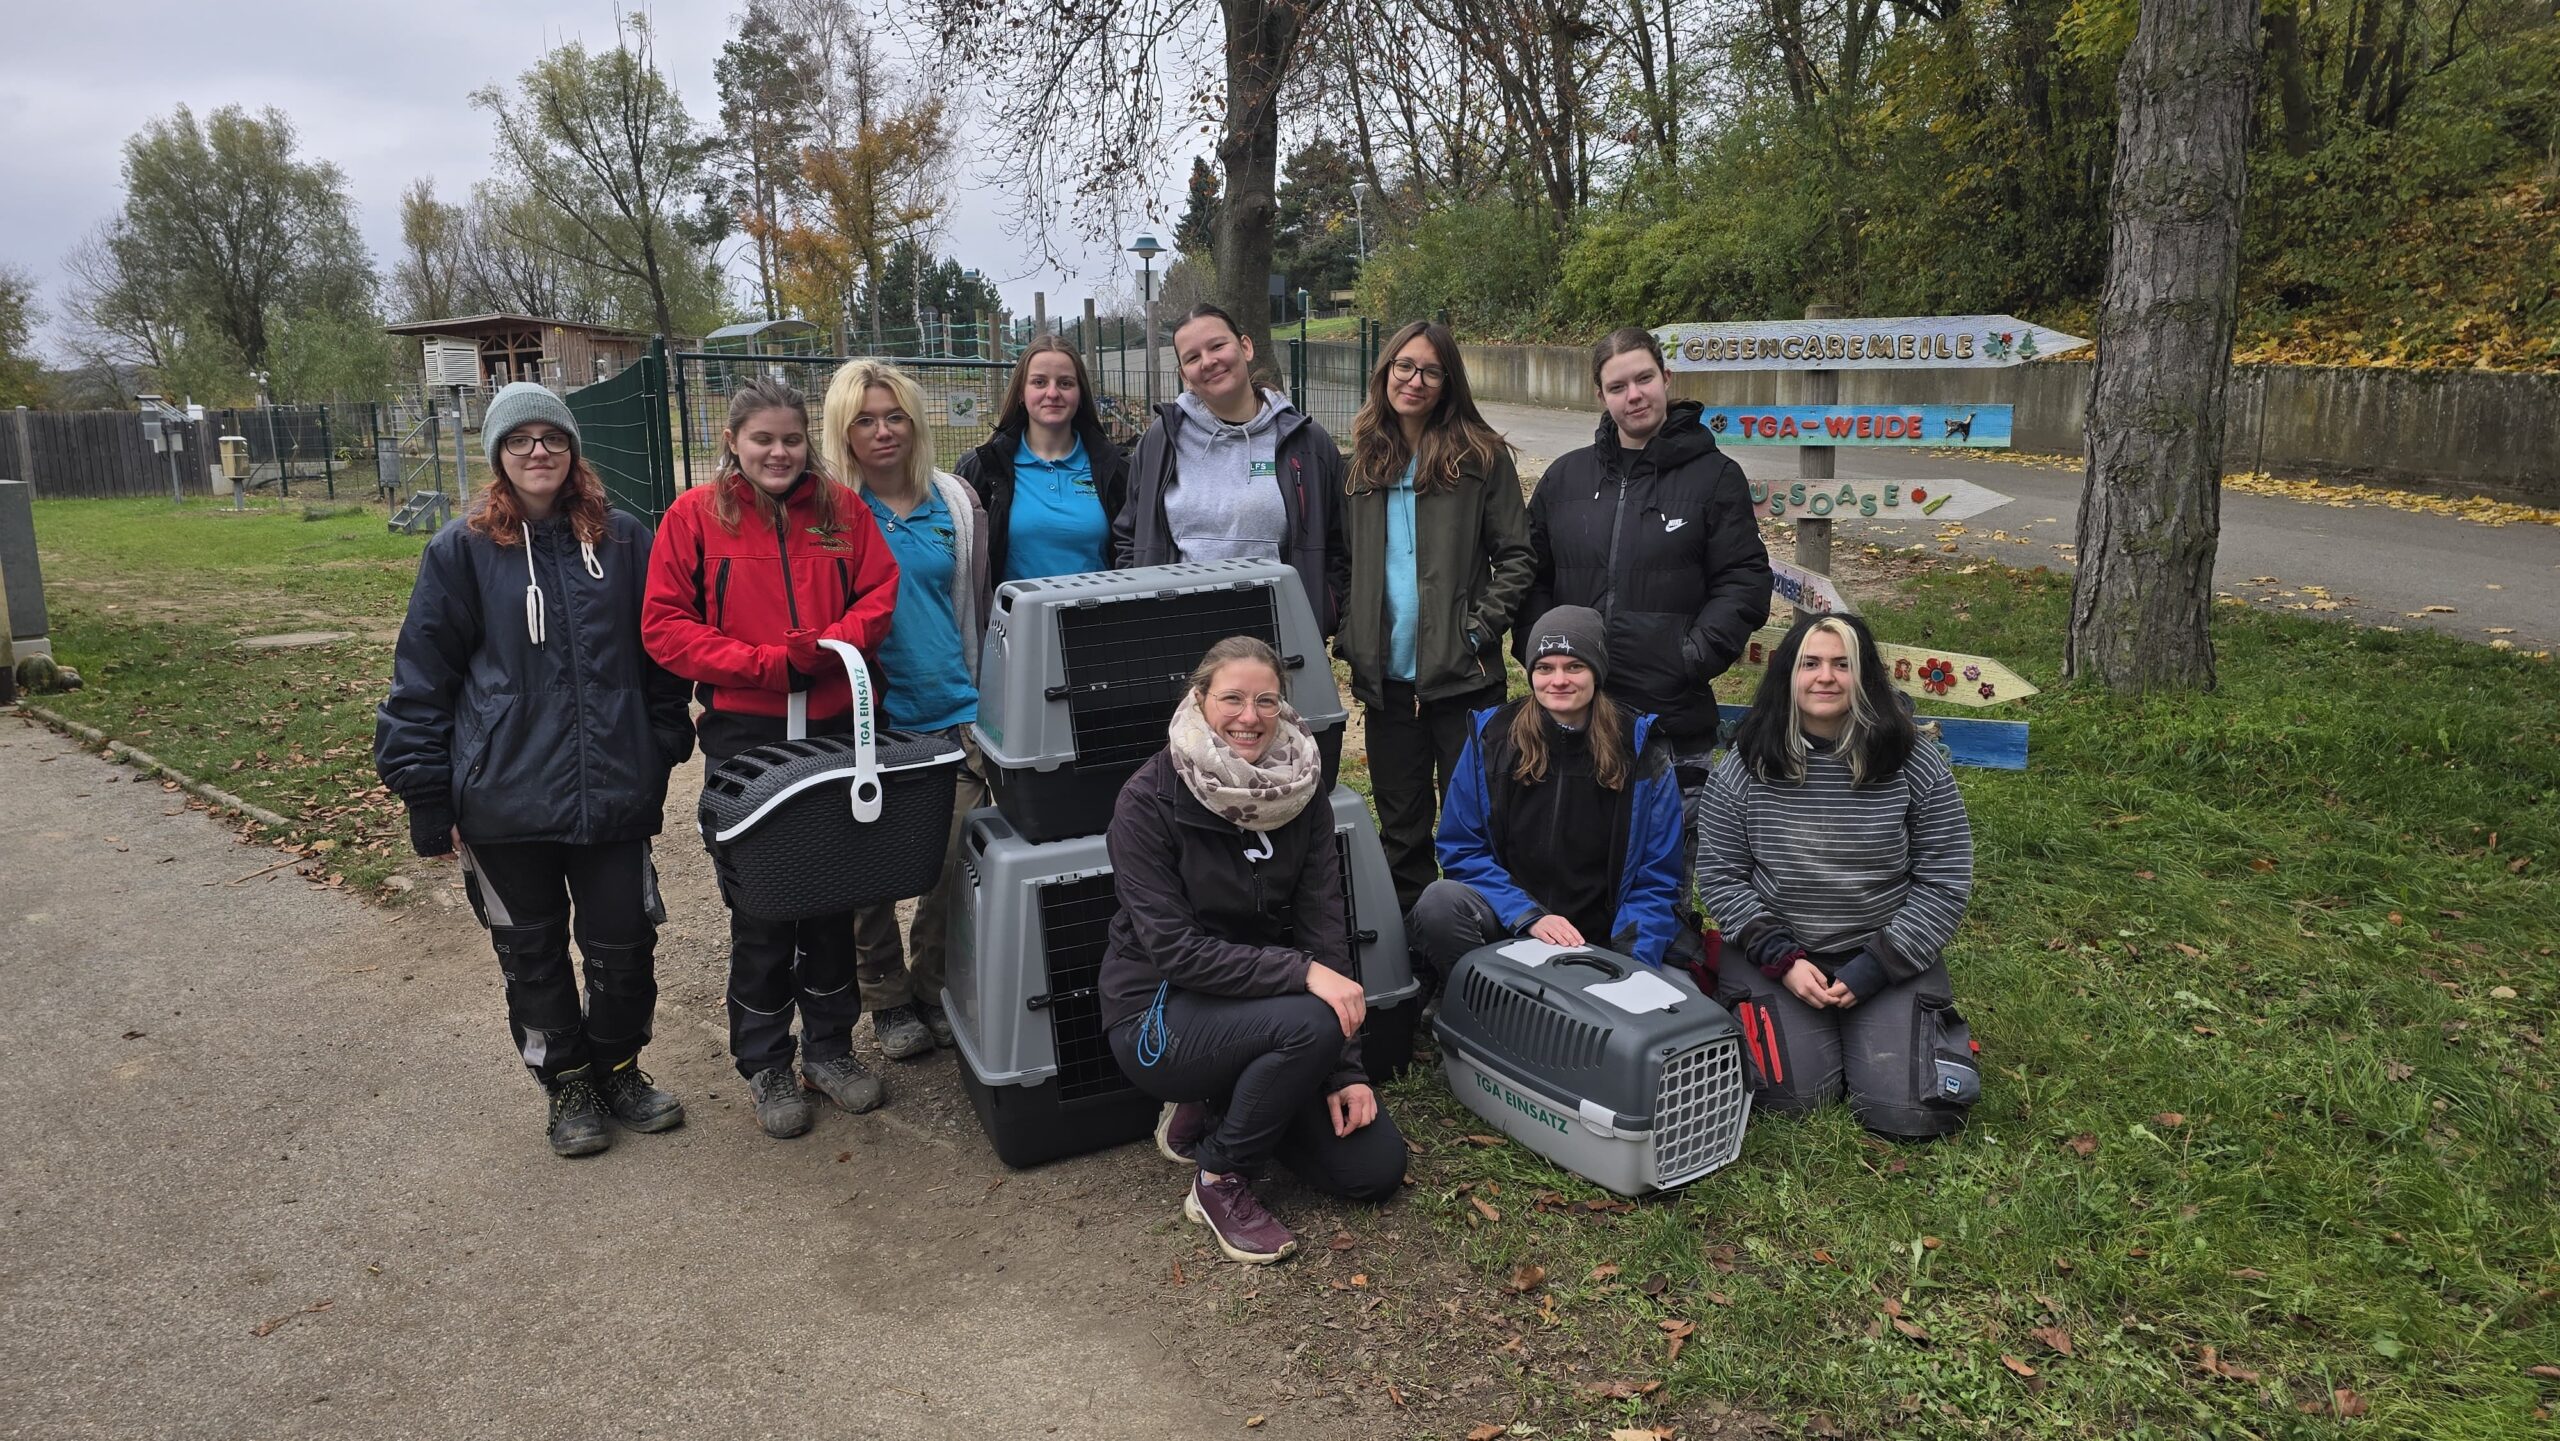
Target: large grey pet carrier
<point>814,826</point>
<point>1623,1074</point>
<point>1023,987</point>
<point>1079,676</point>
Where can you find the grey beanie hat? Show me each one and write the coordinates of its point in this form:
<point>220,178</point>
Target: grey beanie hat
<point>520,404</point>
<point>1574,630</point>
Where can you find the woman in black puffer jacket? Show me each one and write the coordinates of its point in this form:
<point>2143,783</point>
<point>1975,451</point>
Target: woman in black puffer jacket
<point>527,729</point>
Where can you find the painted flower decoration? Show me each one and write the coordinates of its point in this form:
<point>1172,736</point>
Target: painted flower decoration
<point>1985,689</point>
<point>1973,672</point>
<point>1936,676</point>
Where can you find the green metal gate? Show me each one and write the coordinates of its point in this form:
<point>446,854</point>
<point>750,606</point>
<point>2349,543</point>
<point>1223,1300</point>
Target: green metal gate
<point>624,428</point>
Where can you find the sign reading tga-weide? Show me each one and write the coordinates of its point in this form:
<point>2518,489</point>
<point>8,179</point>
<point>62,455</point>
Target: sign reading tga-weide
<point>1910,342</point>
<point>1977,426</point>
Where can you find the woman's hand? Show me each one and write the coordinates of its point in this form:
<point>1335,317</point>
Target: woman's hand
<point>1804,979</point>
<point>457,841</point>
<point>1350,1003</point>
<point>1555,930</point>
<point>1353,1106</point>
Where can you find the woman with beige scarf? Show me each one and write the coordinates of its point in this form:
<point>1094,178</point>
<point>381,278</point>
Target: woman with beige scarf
<point>1225,982</point>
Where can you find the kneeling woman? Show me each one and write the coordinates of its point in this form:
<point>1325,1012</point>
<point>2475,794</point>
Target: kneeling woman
<point>1224,981</point>
<point>1833,848</point>
<point>1563,822</point>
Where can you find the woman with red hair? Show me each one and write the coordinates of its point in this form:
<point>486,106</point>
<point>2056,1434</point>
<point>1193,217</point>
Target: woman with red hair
<point>528,730</point>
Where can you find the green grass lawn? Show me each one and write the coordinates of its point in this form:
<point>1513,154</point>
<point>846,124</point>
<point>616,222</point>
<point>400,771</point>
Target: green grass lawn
<point>2263,981</point>
<point>148,602</point>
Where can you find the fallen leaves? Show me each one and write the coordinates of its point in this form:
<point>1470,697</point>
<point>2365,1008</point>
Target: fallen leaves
<point>2015,1365</point>
<point>2342,1403</point>
<point>1605,1271</point>
<point>2084,1144</point>
<point>1177,1273</point>
<point>1254,1422</point>
<point>2054,1338</point>
<point>2210,1362</point>
<point>1482,1140</point>
<point>1487,1432</point>
<point>1484,1209</point>
<point>1904,1324</point>
<point>2171,1119</point>
<point>1528,1276</point>
<point>1619,1390</point>
<point>1655,1284</point>
<point>1679,1331</point>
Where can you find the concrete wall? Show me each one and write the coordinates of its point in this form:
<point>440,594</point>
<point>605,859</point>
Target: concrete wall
<point>2472,432</point>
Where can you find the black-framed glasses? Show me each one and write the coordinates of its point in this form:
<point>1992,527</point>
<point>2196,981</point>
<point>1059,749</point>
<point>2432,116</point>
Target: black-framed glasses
<point>1407,370</point>
<point>555,441</point>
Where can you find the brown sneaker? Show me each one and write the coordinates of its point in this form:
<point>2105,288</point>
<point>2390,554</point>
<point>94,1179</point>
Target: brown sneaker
<point>1178,1131</point>
<point>1245,1231</point>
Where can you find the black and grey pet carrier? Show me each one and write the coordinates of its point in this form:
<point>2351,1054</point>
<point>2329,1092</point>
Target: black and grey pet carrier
<point>1079,675</point>
<point>814,826</point>
<point>1621,1073</point>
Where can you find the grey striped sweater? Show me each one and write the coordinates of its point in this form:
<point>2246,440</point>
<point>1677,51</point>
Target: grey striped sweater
<point>1887,868</point>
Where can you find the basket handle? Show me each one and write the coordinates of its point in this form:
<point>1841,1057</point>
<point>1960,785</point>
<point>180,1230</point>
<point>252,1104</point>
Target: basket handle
<point>866,750</point>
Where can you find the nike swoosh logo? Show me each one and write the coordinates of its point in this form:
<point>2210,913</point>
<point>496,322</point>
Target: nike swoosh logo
<point>1669,526</point>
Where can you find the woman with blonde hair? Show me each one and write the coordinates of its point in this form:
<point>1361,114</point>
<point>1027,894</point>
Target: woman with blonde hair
<point>876,439</point>
<point>528,729</point>
<point>1440,559</point>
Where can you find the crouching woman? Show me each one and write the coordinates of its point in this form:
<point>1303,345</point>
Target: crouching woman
<point>1563,821</point>
<point>1835,853</point>
<point>1225,981</point>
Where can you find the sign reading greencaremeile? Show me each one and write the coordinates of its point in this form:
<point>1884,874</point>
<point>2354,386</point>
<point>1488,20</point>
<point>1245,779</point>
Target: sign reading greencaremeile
<point>1921,342</point>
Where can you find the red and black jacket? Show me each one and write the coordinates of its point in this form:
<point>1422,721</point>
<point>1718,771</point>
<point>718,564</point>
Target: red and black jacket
<point>722,607</point>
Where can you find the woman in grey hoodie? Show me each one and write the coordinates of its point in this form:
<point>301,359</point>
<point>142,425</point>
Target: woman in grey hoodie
<point>1231,471</point>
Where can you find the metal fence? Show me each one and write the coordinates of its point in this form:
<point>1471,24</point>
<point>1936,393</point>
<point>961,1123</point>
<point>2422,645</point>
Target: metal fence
<point>105,453</point>
<point>959,401</point>
<point>1326,391</point>
<point>624,432</point>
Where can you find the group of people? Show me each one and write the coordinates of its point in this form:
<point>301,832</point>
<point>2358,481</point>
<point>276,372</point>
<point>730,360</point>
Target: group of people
<point>532,725</point>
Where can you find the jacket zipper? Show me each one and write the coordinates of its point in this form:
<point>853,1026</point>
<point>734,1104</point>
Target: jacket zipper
<point>782,543</point>
<point>720,598</point>
<point>1617,528</point>
<point>577,680</point>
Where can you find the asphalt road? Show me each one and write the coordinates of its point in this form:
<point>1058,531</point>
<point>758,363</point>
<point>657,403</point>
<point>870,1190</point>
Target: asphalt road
<point>2381,565</point>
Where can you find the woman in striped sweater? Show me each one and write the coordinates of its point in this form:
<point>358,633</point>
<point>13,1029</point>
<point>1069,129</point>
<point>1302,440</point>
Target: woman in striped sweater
<point>1834,852</point>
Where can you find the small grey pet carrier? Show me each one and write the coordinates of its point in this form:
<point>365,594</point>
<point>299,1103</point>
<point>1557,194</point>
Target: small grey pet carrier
<point>814,826</point>
<point>1623,1074</point>
<point>1080,673</point>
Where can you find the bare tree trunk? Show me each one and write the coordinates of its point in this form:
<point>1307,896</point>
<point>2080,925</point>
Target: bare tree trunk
<point>2151,517</point>
<point>1261,37</point>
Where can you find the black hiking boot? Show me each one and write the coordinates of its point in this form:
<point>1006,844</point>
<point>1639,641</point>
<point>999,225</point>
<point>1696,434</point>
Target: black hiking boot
<point>937,1020</point>
<point>901,1032</point>
<point>637,1102</point>
<point>843,1080</point>
<point>577,1115</point>
<point>780,1108</point>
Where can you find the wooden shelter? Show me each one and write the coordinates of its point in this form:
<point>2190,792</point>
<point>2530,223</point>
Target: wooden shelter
<point>562,354</point>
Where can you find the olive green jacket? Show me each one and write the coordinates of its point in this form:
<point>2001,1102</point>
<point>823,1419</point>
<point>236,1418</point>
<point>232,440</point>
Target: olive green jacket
<point>1472,567</point>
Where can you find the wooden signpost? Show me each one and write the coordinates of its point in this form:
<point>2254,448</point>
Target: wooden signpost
<point>1979,427</point>
<point>1830,342</point>
<point>1922,672</point>
<point>1967,740</point>
<point>1807,589</point>
<point>1874,499</point>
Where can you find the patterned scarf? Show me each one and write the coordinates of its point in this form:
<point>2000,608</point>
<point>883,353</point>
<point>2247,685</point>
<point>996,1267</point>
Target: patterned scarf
<point>1257,795</point>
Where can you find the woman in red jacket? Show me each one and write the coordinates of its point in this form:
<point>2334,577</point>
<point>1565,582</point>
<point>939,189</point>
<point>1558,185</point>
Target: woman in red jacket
<point>748,575</point>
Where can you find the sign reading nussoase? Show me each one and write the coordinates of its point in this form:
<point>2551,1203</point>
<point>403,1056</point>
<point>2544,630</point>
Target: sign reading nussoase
<point>1980,427</point>
<point>1873,499</point>
<point>1926,342</point>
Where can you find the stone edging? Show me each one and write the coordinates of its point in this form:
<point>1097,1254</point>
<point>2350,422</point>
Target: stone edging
<point>212,794</point>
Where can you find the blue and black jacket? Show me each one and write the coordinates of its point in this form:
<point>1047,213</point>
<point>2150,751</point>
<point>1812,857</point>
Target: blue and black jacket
<point>1643,857</point>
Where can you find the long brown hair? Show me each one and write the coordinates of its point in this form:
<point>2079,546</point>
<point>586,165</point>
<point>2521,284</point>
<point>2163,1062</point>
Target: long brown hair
<point>1611,763</point>
<point>1455,438</point>
<point>733,492</point>
<point>498,513</point>
<point>1014,414</point>
<point>1625,340</point>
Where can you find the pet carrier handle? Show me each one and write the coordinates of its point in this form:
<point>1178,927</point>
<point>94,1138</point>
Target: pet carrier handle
<point>1602,964</point>
<point>866,747</point>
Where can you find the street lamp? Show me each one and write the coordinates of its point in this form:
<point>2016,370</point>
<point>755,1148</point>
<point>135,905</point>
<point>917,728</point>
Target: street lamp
<point>1360,215</point>
<point>1146,247</point>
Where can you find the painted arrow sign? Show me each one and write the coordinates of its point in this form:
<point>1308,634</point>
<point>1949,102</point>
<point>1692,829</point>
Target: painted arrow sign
<point>1925,342</point>
<point>1979,427</point>
<point>1873,499</point>
<point>1808,590</point>
<point>1941,675</point>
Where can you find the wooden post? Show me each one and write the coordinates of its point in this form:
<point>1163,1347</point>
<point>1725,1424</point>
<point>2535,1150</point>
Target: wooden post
<point>1039,312</point>
<point>1092,337</point>
<point>1815,462</point>
<point>26,449</point>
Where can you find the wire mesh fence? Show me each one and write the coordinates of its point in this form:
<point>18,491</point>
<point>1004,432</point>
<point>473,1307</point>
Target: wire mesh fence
<point>959,401</point>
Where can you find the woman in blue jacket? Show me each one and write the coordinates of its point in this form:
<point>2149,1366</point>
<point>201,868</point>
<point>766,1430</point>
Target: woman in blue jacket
<point>1544,780</point>
<point>528,730</point>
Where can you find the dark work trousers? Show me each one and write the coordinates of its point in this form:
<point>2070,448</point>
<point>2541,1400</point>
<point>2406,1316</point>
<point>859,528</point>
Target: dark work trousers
<point>778,967</point>
<point>1260,1064</point>
<point>1692,770</point>
<point>1451,919</point>
<point>1880,1053</point>
<point>533,896</point>
<point>1414,749</point>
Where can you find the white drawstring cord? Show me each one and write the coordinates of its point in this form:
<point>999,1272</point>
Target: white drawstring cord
<point>595,567</point>
<point>534,623</point>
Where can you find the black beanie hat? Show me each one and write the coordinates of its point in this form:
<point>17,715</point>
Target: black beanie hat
<point>1573,630</point>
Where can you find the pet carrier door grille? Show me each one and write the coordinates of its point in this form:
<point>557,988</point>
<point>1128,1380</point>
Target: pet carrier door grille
<point>1699,1113</point>
<point>1127,662</point>
<point>1075,921</point>
<point>1530,1029</point>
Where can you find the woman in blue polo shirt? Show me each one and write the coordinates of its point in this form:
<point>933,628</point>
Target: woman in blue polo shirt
<point>875,441</point>
<point>1049,477</point>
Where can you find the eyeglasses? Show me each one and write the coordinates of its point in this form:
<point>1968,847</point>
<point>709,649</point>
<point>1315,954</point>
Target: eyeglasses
<point>1236,700</point>
<point>1407,370</point>
<point>555,441</point>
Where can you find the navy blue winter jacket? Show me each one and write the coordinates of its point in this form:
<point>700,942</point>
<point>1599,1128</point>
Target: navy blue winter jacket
<point>569,740</point>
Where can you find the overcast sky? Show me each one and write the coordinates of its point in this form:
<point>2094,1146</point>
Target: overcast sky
<point>383,90</point>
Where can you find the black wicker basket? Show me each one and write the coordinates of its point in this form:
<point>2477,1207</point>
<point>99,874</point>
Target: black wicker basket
<point>810,827</point>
